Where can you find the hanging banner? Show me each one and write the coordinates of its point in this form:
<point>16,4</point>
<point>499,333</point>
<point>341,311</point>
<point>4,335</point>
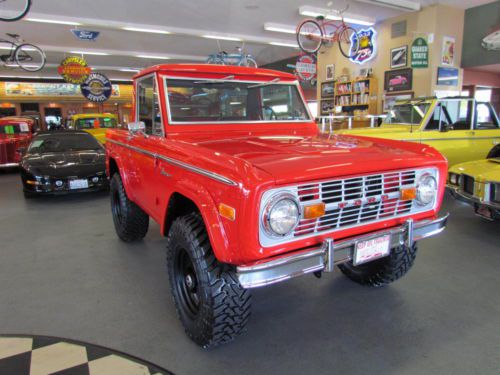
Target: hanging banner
<point>74,69</point>
<point>419,53</point>
<point>97,88</point>
<point>306,67</point>
<point>367,48</point>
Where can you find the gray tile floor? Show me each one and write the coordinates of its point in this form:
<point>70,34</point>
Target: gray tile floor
<point>64,272</point>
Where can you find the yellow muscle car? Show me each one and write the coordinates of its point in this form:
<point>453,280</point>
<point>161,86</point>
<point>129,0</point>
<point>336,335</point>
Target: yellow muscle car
<point>94,123</point>
<point>478,183</point>
<point>459,127</point>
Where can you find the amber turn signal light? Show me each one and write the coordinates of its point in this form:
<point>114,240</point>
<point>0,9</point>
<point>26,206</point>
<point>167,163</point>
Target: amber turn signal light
<point>227,211</point>
<point>408,194</point>
<point>314,211</point>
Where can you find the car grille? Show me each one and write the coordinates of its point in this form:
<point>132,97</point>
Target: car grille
<point>467,184</point>
<point>7,153</point>
<point>355,200</point>
<point>495,192</point>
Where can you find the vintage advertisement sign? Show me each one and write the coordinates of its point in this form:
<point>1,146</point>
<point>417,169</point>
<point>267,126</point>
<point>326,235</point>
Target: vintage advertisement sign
<point>36,89</point>
<point>97,88</point>
<point>419,53</point>
<point>87,35</point>
<point>306,67</point>
<point>74,69</point>
<point>448,51</point>
<point>367,48</point>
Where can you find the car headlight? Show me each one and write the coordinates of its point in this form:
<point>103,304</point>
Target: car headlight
<point>281,214</point>
<point>426,190</point>
<point>453,178</point>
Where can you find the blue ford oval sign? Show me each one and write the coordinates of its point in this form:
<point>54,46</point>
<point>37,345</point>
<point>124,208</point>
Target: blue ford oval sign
<point>97,88</point>
<point>85,34</point>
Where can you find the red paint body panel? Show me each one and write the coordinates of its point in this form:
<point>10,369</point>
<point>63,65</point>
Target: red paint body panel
<point>10,144</point>
<point>257,157</point>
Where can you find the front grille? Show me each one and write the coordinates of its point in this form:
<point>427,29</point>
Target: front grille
<point>467,184</point>
<point>355,200</point>
<point>495,192</point>
<point>7,153</point>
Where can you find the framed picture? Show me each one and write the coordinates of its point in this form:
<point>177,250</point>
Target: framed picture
<point>398,80</point>
<point>327,106</point>
<point>448,51</point>
<point>391,99</point>
<point>330,72</point>
<point>447,77</point>
<point>399,57</point>
<point>327,89</point>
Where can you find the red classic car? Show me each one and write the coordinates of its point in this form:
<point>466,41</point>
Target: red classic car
<point>230,163</point>
<point>15,136</point>
<point>398,80</point>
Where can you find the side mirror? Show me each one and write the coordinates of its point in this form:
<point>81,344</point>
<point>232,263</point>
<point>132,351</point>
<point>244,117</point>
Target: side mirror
<point>137,127</point>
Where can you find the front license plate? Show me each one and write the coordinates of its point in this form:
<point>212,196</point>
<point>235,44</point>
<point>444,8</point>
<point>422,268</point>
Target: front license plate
<point>369,250</point>
<point>78,184</point>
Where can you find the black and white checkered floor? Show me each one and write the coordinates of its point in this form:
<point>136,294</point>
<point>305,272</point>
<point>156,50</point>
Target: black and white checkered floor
<point>42,355</point>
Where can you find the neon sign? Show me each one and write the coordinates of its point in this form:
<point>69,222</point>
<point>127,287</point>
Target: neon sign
<point>367,48</point>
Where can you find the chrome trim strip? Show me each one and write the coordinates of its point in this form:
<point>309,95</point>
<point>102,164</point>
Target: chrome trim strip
<point>329,253</point>
<point>9,165</point>
<point>464,197</point>
<point>177,163</point>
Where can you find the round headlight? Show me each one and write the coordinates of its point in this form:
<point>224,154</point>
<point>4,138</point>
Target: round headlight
<point>453,178</point>
<point>281,215</point>
<point>426,190</point>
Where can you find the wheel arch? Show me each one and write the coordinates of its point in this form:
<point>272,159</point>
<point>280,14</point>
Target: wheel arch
<point>494,152</point>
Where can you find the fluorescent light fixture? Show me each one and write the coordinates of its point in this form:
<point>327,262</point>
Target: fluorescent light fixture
<point>24,48</point>
<point>90,53</point>
<point>279,28</point>
<point>153,57</point>
<point>130,70</point>
<point>327,13</point>
<point>281,44</point>
<point>58,22</point>
<point>141,30</point>
<point>231,38</point>
<point>396,4</point>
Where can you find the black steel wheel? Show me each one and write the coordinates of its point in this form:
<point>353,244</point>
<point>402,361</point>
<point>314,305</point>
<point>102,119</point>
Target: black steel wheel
<point>210,302</point>
<point>131,222</point>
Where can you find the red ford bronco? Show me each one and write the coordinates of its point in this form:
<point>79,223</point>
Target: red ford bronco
<point>248,192</point>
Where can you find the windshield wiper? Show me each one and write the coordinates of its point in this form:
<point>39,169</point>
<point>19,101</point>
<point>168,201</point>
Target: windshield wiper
<point>216,80</point>
<point>264,83</point>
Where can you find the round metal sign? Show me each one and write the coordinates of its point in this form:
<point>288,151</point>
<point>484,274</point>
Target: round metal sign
<point>74,69</point>
<point>97,88</point>
<point>306,67</point>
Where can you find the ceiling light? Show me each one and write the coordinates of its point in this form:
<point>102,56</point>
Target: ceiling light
<point>231,38</point>
<point>90,53</point>
<point>153,57</point>
<point>130,70</point>
<point>396,4</point>
<point>141,30</point>
<point>280,28</point>
<point>291,45</point>
<point>58,22</point>
<point>327,13</point>
<point>24,48</point>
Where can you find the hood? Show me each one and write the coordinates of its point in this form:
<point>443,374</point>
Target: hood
<point>10,138</point>
<point>481,170</point>
<point>386,131</point>
<point>65,164</point>
<point>304,158</point>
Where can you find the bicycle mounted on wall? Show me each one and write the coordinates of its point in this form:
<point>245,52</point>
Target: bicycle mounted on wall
<point>14,10</point>
<point>24,55</point>
<point>313,33</point>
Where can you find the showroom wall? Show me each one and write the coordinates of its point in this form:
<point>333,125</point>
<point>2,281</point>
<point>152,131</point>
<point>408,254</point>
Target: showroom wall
<point>435,21</point>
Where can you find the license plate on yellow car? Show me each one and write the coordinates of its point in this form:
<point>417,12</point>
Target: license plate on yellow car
<point>366,251</point>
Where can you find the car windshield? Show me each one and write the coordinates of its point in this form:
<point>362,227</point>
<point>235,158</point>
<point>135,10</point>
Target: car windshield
<point>14,128</point>
<point>63,142</point>
<point>95,122</point>
<point>409,113</point>
<point>230,101</point>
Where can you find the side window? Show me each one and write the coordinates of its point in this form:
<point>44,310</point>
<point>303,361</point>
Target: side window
<point>148,106</point>
<point>459,113</point>
<point>439,117</point>
<point>485,116</point>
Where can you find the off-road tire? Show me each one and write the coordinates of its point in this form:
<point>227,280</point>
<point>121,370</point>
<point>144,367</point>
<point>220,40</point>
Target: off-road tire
<point>131,222</point>
<point>382,271</point>
<point>223,305</point>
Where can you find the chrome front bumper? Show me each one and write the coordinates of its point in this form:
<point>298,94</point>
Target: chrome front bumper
<point>470,199</point>
<point>329,254</point>
<point>9,165</point>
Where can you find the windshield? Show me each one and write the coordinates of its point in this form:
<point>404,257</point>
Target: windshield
<point>95,122</point>
<point>63,142</point>
<point>14,128</point>
<point>219,101</point>
<point>411,113</point>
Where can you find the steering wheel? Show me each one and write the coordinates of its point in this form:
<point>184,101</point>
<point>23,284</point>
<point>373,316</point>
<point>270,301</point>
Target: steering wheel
<point>272,112</point>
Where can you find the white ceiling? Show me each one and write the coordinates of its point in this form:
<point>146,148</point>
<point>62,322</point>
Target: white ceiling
<point>186,19</point>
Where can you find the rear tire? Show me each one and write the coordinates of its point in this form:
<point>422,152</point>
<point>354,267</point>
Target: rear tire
<point>210,302</point>
<point>131,222</point>
<point>382,271</point>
